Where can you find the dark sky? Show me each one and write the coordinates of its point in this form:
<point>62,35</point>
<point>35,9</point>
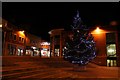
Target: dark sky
<point>40,17</point>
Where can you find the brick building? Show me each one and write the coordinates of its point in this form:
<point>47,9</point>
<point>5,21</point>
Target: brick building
<point>107,44</point>
<point>57,41</point>
<point>13,39</point>
<point>17,42</point>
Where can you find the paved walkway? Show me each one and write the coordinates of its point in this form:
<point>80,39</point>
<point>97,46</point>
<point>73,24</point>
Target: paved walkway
<point>27,70</point>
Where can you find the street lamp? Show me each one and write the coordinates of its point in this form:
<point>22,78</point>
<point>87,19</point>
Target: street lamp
<point>98,31</point>
<point>21,33</point>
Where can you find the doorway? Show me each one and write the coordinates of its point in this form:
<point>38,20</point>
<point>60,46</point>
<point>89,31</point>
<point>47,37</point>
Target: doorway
<point>111,55</point>
<point>111,49</point>
<point>111,63</point>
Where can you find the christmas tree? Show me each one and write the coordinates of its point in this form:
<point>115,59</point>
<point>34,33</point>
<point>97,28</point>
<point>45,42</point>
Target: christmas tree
<point>80,49</point>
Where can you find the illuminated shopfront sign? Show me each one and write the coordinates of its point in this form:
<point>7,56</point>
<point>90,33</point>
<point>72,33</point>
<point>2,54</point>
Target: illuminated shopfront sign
<point>45,51</point>
<point>45,43</point>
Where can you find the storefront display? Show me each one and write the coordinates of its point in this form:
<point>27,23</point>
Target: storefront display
<point>45,49</point>
<point>45,53</point>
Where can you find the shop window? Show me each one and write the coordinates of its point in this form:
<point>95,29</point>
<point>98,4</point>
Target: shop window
<point>111,55</point>
<point>36,52</point>
<point>29,52</point>
<point>45,52</point>
<point>111,63</point>
<point>111,49</point>
<point>111,44</point>
<point>19,52</point>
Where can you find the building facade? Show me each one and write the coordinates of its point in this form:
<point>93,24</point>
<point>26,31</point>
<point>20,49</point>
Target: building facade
<point>33,45</point>
<point>58,38</point>
<point>13,40</point>
<point>107,46</point>
<point>17,42</point>
<point>106,39</point>
<point>57,42</point>
<point>45,49</point>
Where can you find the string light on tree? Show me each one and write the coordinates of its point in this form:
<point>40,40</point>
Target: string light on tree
<point>81,49</point>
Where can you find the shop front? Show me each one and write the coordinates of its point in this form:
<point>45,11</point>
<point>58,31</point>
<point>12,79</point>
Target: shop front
<point>45,52</point>
<point>32,51</point>
<point>20,51</point>
<point>45,49</point>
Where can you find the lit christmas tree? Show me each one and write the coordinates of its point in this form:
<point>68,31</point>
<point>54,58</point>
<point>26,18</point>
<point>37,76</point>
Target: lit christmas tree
<point>79,49</point>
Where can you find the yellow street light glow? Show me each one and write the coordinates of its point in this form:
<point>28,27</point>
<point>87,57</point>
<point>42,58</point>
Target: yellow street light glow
<point>21,33</point>
<point>97,30</point>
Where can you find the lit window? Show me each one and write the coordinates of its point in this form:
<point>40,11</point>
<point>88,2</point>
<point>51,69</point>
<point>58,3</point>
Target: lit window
<point>111,50</point>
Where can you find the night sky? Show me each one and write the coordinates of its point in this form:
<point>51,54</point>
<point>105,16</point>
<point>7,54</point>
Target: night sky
<point>40,17</point>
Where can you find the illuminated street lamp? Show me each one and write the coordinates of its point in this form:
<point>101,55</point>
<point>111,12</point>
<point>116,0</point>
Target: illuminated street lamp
<point>97,30</point>
<point>22,33</point>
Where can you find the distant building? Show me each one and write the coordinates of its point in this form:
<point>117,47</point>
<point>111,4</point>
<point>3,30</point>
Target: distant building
<point>107,44</point>
<point>33,45</point>
<point>13,39</point>
<point>17,42</point>
<point>57,41</point>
